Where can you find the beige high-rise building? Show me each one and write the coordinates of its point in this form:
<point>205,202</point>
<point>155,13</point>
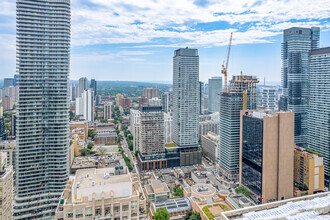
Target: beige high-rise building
<point>107,110</point>
<point>119,97</point>
<point>6,188</point>
<point>107,193</point>
<point>150,93</point>
<point>267,154</point>
<point>308,170</point>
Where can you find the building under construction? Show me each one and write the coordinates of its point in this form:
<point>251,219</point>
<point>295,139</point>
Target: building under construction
<point>242,94</point>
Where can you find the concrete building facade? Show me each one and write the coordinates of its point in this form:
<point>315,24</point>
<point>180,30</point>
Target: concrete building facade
<point>6,188</point>
<point>210,143</point>
<point>267,154</point>
<point>106,193</point>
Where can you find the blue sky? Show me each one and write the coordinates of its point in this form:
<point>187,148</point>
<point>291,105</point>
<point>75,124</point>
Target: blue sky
<point>134,40</point>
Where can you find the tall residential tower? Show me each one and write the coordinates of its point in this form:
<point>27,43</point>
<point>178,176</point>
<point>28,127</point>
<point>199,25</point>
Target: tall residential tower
<point>185,105</point>
<point>43,54</point>
<point>215,87</point>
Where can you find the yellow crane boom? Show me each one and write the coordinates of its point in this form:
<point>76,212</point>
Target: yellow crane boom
<point>224,68</point>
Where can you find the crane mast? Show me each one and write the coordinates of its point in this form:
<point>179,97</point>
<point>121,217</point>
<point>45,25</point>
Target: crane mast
<point>224,68</point>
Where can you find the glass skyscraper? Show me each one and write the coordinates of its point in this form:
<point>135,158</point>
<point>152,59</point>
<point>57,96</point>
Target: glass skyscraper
<point>215,87</point>
<point>297,44</point>
<point>43,51</point>
<point>319,106</point>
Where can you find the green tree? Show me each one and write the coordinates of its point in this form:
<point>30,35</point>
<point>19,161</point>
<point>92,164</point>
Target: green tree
<point>90,145</point>
<point>136,153</point>
<point>161,214</point>
<point>178,191</point>
<point>194,216</point>
<point>91,133</point>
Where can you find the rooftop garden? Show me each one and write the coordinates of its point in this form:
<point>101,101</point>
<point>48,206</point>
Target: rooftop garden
<point>170,145</point>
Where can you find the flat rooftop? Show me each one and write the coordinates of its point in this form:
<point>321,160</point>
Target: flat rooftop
<point>315,206</point>
<point>89,181</point>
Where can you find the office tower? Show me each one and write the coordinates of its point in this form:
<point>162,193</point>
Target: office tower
<point>210,143</point>
<point>94,86</point>
<point>201,97</point>
<point>297,44</point>
<point>151,136</point>
<point>88,100</point>
<point>231,103</point>
<point>150,93</point>
<point>13,125</point>
<point>267,154</point>
<point>8,82</point>
<point>206,89</point>
<point>268,98</point>
<point>104,193</point>
<point>7,103</point>
<point>6,188</point>
<point>319,106</point>
<point>82,86</point>
<point>135,128</point>
<point>98,100</point>
<point>3,134</point>
<point>43,53</point>
<point>215,87</point>
<point>16,77</point>
<point>185,105</point>
<point>308,171</point>
<point>166,102</point>
<point>168,119</point>
<point>107,110</point>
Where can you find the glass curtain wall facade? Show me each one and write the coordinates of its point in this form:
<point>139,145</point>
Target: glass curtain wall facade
<point>43,53</point>
<point>296,46</point>
<point>252,154</point>
<point>319,106</point>
<point>215,87</point>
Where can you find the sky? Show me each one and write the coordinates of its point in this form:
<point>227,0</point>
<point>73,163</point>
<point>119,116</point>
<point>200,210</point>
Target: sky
<point>134,40</point>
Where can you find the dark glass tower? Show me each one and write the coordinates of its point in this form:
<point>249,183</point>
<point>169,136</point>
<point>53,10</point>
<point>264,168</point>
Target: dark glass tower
<point>297,44</point>
<point>43,51</point>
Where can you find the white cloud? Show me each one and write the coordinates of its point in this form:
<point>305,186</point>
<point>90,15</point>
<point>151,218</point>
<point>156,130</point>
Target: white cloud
<point>132,21</point>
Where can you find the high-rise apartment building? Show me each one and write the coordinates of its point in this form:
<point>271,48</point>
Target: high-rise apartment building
<point>319,106</point>
<point>16,77</point>
<point>215,87</point>
<point>107,110</point>
<point>94,86</point>
<point>231,103</point>
<point>150,93</point>
<point>267,154</point>
<point>7,103</point>
<point>135,128</point>
<point>3,134</point>
<point>166,102</point>
<point>43,54</point>
<point>6,188</point>
<point>185,105</point>
<point>201,97</point>
<point>151,137</point>
<point>296,47</point>
<point>308,170</point>
<point>86,102</point>
<point>82,86</point>
<point>268,98</point>
<point>168,120</point>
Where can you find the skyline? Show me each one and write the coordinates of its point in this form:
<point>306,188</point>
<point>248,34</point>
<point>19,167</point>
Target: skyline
<point>111,43</point>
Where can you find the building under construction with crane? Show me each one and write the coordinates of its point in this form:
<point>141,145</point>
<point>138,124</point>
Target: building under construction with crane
<point>241,94</point>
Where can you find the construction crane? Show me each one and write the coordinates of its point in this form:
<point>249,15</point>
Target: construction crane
<point>224,68</point>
